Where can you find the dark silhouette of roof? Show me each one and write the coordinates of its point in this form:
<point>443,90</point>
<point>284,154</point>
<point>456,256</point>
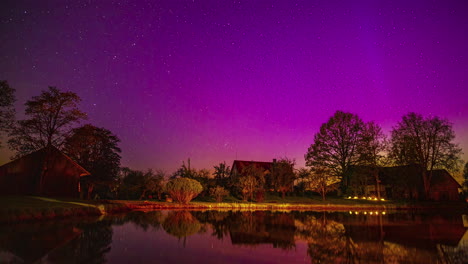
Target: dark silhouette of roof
<point>241,164</point>
<point>47,172</point>
<point>39,157</point>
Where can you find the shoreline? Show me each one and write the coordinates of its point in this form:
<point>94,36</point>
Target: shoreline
<point>110,207</point>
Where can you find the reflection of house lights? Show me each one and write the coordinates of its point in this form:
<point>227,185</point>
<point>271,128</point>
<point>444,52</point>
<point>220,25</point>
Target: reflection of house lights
<point>356,212</point>
<point>365,213</point>
<point>383,213</point>
<point>371,213</point>
<point>382,199</point>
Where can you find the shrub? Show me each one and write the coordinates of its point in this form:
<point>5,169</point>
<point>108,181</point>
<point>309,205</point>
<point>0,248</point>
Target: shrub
<point>219,193</point>
<point>183,190</point>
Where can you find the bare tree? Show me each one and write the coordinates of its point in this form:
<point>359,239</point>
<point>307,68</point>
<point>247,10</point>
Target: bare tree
<point>7,110</point>
<point>371,149</point>
<point>323,181</point>
<point>336,145</point>
<point>221,173</point>
<point>427,143</point>
<point>282,176</point>
<point>250,180</point>
<point>50,117</point>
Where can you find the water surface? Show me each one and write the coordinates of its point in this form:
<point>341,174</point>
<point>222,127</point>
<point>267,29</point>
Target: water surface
<point>240,237</point>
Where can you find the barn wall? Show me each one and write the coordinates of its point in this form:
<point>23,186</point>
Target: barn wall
<point>61,178</point>
<point>20,177</point>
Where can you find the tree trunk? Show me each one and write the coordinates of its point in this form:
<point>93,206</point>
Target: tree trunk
<point>377,181</point>
<point>142,195</point>
<point>427,183</point>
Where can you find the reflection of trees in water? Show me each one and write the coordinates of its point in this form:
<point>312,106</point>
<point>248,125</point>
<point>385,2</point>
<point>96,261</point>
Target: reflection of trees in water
<point>181,224</point>
<point>57,242</point>
<point>331,237</point>
<point>146,220</point>
<point>217,220</point>
<point>327,240</point>
<point>252,228</point>
<point>90,246</point>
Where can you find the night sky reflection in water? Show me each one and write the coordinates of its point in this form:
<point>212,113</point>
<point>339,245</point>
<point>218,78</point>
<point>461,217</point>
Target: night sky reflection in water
<point>241,237</point>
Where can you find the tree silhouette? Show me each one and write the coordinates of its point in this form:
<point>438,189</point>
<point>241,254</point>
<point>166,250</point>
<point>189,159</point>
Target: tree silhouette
<point>50,117</point>
<point>427,143</point>
<point>221,173</point>
<point>96,149</point>
<point>7,111</point>
<point>336,145</point>
<point>282,176</point>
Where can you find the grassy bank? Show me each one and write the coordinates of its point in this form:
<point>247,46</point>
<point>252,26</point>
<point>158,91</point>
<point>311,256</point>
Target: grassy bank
<point>40,208</point>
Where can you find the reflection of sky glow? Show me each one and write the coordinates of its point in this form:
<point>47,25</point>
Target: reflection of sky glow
<point>253,80</point>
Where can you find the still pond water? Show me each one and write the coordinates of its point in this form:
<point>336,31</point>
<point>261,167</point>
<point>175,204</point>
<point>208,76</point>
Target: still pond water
<point>241,237</point>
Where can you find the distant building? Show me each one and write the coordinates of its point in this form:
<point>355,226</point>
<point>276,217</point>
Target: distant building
<point>239,165</point>
<point>403,182</point>
<point>46,172</point>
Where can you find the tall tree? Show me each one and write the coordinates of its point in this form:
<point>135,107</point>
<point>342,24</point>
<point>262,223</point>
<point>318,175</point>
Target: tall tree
<point>303,178</point>
<point>427,143</point>
<point>371,150</point>
<point>282,175</point>
<point>50,118</point>
<point>323,181</point>
<point>250,179</point>
<point>185,171</point>
<point>221,173</point>
<point>336,145</point>
<point>465,180</point>
<point>96,149</point>
<point>153,182</point>
<point>7,111</point>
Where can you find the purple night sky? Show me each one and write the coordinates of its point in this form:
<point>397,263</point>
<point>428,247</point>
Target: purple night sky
<point>216,80</point>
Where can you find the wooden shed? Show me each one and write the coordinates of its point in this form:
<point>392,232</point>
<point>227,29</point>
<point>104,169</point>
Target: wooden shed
<point>46,172</point>
<point>443,187</point>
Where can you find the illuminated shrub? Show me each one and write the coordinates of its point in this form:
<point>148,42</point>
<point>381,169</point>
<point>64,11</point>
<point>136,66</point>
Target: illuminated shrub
<point>183,190</point>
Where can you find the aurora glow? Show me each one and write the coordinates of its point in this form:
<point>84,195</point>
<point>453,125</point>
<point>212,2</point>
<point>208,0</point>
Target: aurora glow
<point>216,80</point>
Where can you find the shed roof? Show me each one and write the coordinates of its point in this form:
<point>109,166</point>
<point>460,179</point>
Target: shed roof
<point>40,154</point>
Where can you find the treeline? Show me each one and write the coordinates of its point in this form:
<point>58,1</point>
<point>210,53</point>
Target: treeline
<point>345,142</point>
<point>53,118</point>
<point>342,143</point>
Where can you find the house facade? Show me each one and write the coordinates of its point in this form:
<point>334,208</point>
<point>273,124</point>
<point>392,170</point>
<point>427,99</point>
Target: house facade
<point>403,182</point>
<point>46,172</point>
